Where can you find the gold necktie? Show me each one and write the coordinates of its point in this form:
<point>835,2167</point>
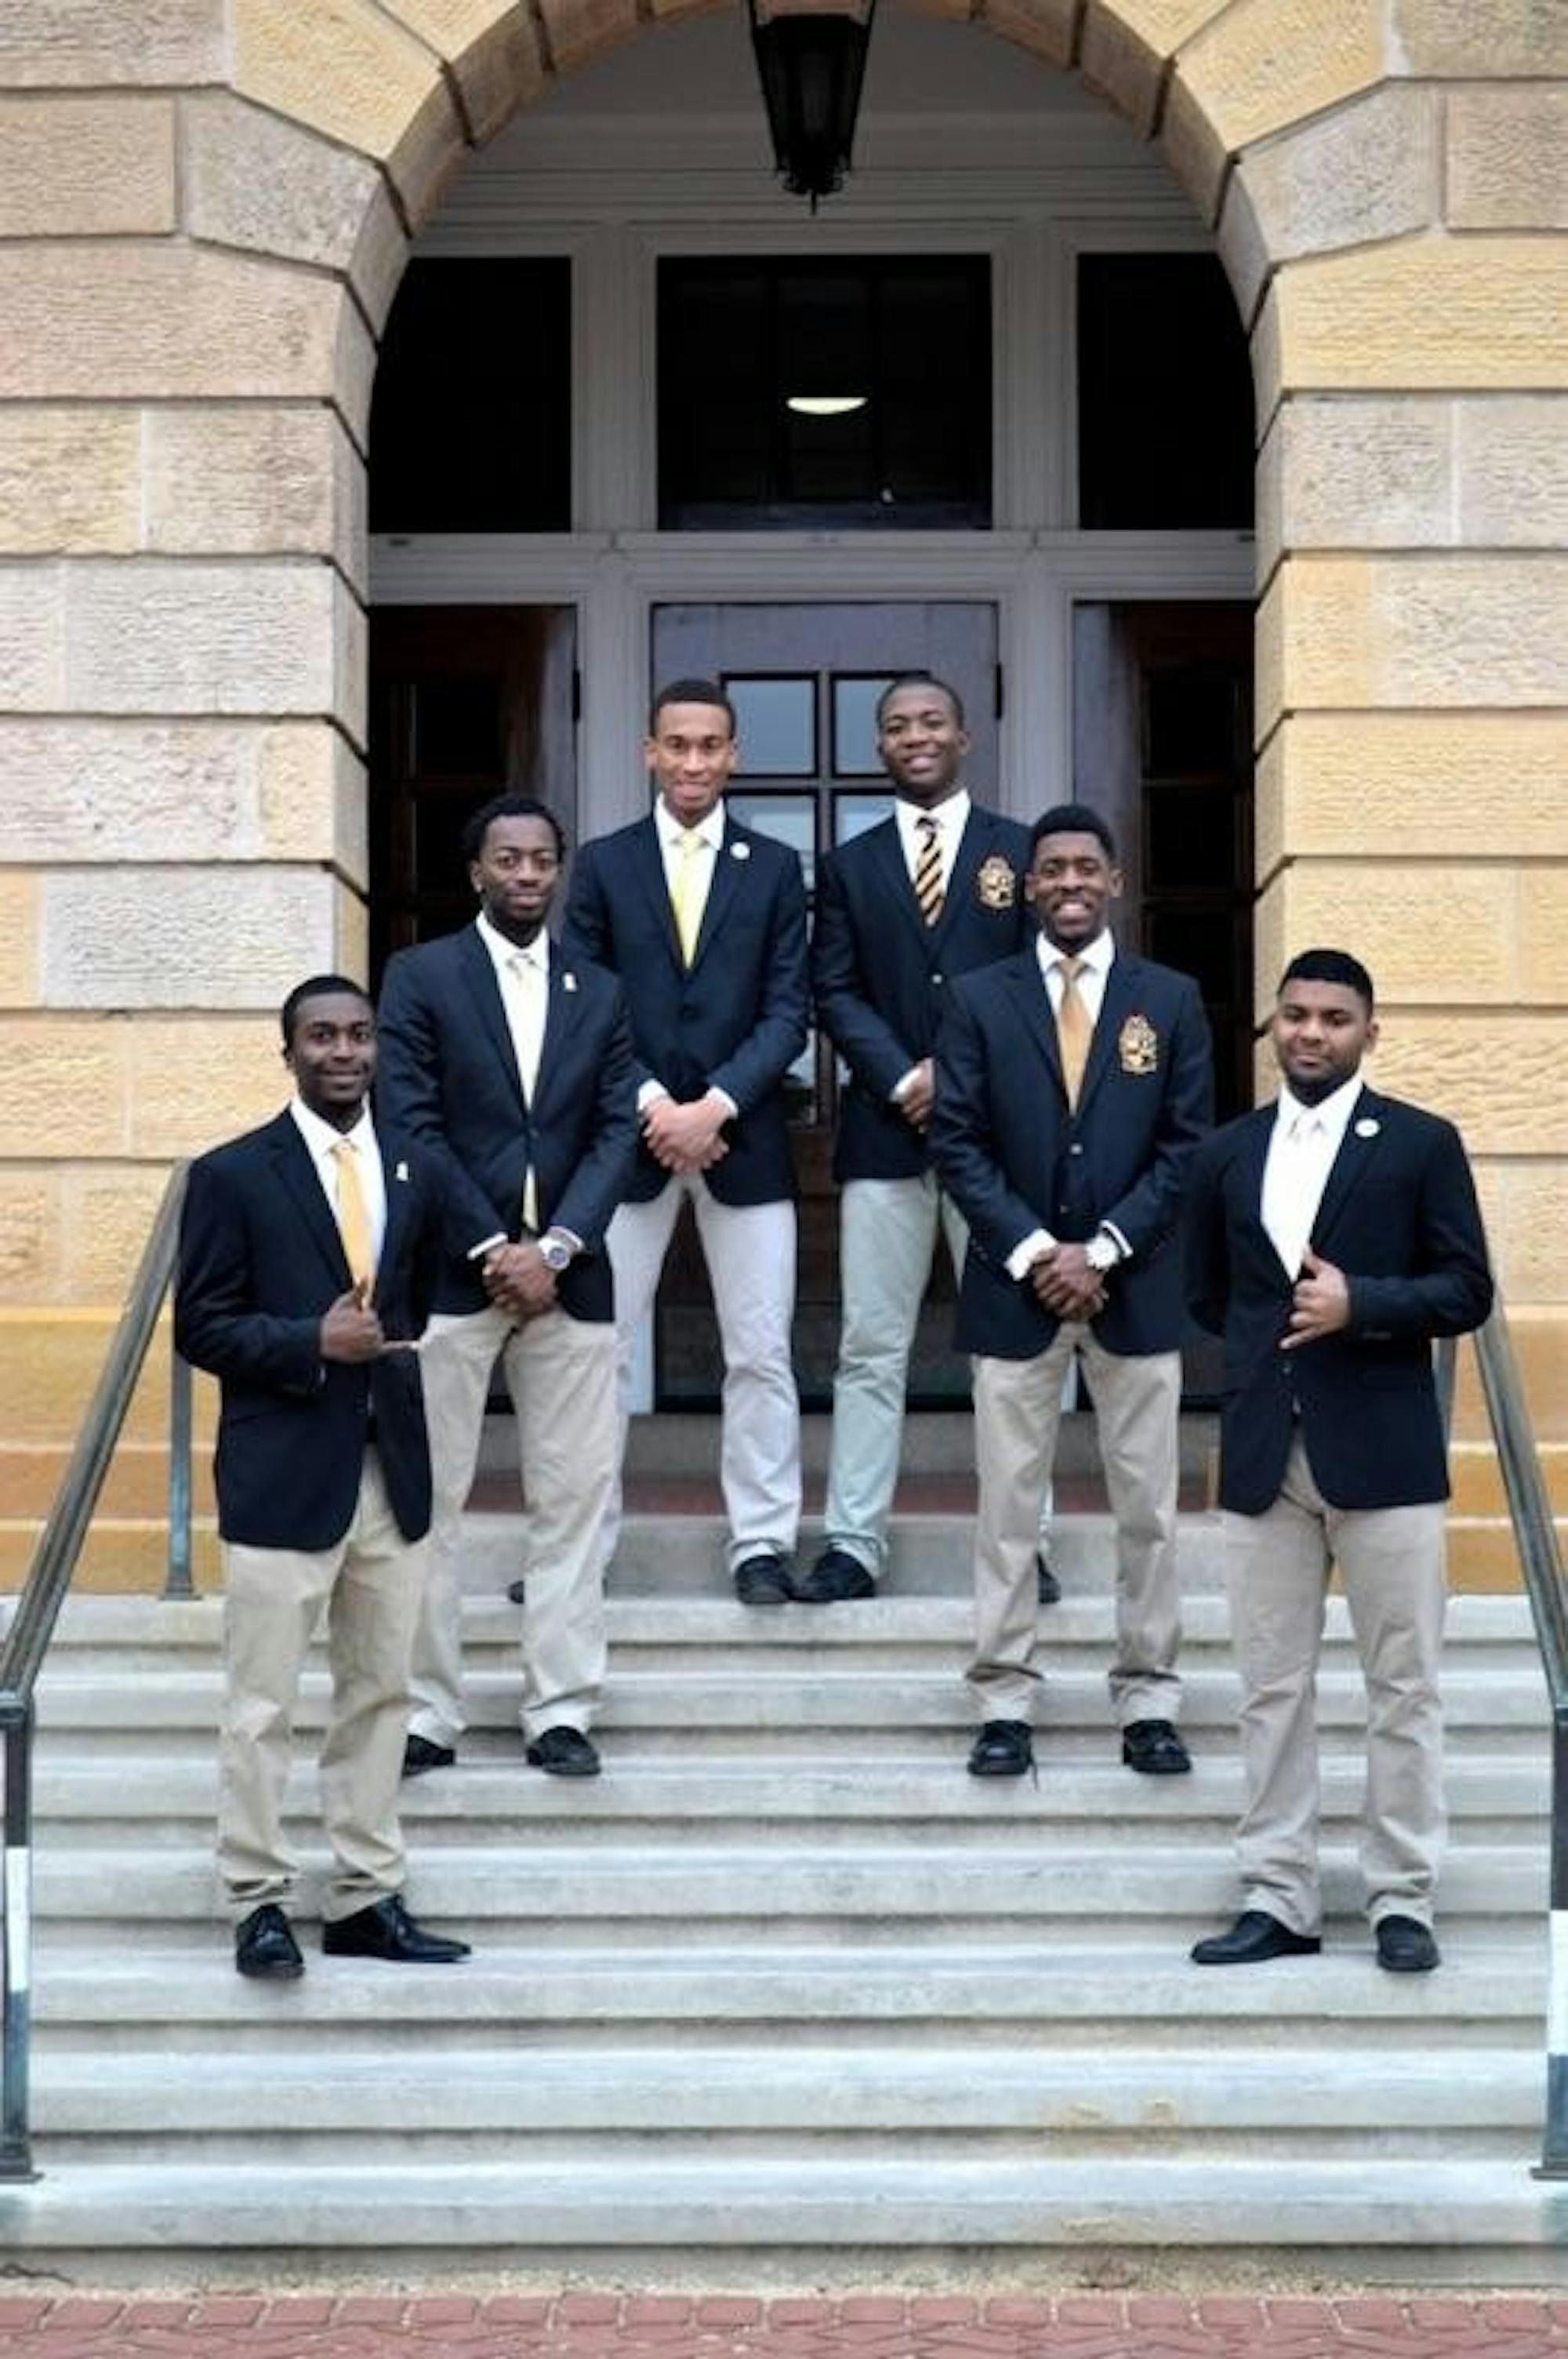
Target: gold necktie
<point>686,895</point>
<point>353,1216</point>
<point>929,870</point>
<point>1074,1030</point>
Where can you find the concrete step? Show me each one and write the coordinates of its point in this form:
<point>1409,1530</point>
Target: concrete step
<point>633,2198</point>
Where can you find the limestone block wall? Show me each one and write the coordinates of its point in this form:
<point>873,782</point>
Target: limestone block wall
<point>204,208</point>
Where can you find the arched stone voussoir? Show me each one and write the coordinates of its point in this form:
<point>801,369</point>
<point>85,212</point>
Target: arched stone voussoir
<point>1125,49</point>
<point>491,48</point>
<point>345,68</point>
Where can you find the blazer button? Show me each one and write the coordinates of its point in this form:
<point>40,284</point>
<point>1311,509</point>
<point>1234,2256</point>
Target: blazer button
<point>1076,1147</point>
<point>936,978</point>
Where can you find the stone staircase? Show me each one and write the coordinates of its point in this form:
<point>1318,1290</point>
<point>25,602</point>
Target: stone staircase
<point>785,1994</point>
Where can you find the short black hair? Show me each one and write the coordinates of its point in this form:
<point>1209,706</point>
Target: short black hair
<point>690,692</point>
<point>1073,819</point>
<point>318,986</point>
<point>1330,966</point>
<point>510,805</point>
<point>919,679</point>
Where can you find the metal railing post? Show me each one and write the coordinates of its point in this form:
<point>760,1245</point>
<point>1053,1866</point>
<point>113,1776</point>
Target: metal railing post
<point>177,1579</point>
<point>17,1941</point>
<point>1553,2163</point>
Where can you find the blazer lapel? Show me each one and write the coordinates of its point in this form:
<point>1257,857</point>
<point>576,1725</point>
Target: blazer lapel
<point>1117,1002</point>
<point>1359,1150</point>
<point>886,848</point>
<point>560,1020</point>
<point>648,868</point>
<point>399,1195</point>
<point>298,1174</point>
<point>479,973</point>
<point>730,864</point>
<point>1035,1009</point>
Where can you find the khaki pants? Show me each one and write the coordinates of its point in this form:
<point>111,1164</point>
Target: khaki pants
<point>560,1373</point>
<point>1277,1566</point>
<point>370,1585</point>
<point>1018,1407</point>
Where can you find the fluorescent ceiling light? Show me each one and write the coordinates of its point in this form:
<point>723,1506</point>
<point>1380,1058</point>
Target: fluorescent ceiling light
<point>825,405</point>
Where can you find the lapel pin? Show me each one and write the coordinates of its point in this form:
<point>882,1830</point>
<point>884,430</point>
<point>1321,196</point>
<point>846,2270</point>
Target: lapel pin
<point>401,1173</point>
<point>740,852</point>
<point>1366,1127</point>
<point>569,981</point>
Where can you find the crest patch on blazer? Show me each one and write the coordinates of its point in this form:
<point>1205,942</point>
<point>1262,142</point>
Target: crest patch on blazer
<point>996,882</point>
<point>1138,1046</point>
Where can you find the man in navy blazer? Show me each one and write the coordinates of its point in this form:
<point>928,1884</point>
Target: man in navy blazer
<point>308,1260</point>
<point>1073,1084</point>
<point>705,923</point>
<point>932,893</point>
<point>515,1058</point>
<point>1330,1237</point>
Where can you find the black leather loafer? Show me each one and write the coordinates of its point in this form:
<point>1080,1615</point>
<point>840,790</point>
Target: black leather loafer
<point>565,1753</point>
<point>1047,1583</point>
<point>1254,1937</point>
<point>264,1946</point>
<point>763,1580</point>
<point>419,1756</point>
<point>1405,1946</point>
<point>1004,1748</point>
<point>385,1929</point>
<point>836,1574</point>
<point>1154,1748</point>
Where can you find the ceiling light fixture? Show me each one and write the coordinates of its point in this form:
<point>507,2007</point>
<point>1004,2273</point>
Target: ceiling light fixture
<point>825,405</point>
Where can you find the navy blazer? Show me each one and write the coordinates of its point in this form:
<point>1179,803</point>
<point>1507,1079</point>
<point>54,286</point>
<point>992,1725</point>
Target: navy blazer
<point>260,1261</point>
<point>1015,1157</point>
<point>448,1073</point>
<point>1399,1216</point>
<point>735,1021</point>
<point>880,971</point>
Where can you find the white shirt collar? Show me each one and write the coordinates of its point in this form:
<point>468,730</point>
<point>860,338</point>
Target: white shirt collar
<point>1331,1115</point>
<point>537,952</point>
<point>1095,958</point>
<point>951,817</point>
<point>708,831</point>
<point>322,1137</point>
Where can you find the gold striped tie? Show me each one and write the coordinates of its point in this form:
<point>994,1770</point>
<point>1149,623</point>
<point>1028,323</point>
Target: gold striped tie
<point>1074,1030</point>
<point>685,895</point>
<point>929,870</point>
<point>354,1214</point>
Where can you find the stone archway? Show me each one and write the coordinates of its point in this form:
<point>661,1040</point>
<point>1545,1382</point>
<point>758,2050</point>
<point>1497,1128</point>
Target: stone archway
<point>203,214</point>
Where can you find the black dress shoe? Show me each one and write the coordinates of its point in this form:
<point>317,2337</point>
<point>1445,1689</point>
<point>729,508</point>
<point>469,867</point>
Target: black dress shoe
<point>385,1929</point>
<point>1405,1946</point>
<point>836,1574</point>
<point>419,1755</point>
<point>763,1580</point>
<point>1254,1937</point>
<point>1153,1747</point>
<point>1047,1583</point>
<point>265,1947</point>
<point>1003,1748</point>
<point>517,1591</point>
<point>565,1753</point>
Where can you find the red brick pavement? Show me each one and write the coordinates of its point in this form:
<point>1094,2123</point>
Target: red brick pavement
<point>457,2326</point>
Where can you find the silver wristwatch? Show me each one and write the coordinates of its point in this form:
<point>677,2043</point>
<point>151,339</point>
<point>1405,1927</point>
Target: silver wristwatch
<point>1102,1252</point>
<point>555,1251</point>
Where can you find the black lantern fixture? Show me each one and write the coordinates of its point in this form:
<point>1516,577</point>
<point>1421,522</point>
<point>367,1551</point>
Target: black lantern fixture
<point>811,62</point>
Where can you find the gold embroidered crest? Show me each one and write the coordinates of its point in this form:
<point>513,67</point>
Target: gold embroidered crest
<point>995,883</point>
<point>1138,1046</point>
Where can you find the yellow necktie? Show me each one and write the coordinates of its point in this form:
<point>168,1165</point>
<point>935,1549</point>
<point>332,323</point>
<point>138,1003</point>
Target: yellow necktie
<point>1074,1030</point>
<point>686,895</point>
<point>353,1216</point>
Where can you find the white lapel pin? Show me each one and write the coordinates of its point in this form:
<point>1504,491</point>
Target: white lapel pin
<point>740,852</point>
<point>569,981</point>
<point>1366,1127</point>
<point>401,1173</point>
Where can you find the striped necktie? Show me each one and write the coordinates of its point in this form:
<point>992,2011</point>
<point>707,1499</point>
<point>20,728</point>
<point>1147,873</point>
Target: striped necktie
<point>1074,1030</point>
<point>354,1214</point>
<point>928,869</point>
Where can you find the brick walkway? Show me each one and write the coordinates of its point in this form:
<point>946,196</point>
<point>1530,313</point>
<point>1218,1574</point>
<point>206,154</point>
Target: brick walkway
<point>727,2326</point>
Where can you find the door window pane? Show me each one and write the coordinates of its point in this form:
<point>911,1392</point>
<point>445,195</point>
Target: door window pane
<point>854,725</point>
<point>775,721</point>
<point>790,819</point>
<point>1164,394</point>
<point>853,814</point>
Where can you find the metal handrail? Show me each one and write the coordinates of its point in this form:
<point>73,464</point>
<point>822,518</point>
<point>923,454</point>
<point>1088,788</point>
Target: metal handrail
<point>1541,1559</point>
<point>32,1626</point>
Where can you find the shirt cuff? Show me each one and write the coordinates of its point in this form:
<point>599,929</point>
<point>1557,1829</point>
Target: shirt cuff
<point>486,1245</point>
<point>904,1083</point>
<point>734,1112</point>
<point>649,1094</point>
<point>1029,1251</point>
<point>1109,1229</point>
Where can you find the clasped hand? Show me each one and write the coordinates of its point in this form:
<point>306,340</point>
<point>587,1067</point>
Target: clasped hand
<point>519,1281</point>
<point>1065,1284</point>
<point>686,1138</point>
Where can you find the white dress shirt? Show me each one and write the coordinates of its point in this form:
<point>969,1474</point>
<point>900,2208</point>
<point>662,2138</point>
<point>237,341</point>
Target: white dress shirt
<point>323,1140</point>
<point>522,975</point>
<point>1302,1147</point>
